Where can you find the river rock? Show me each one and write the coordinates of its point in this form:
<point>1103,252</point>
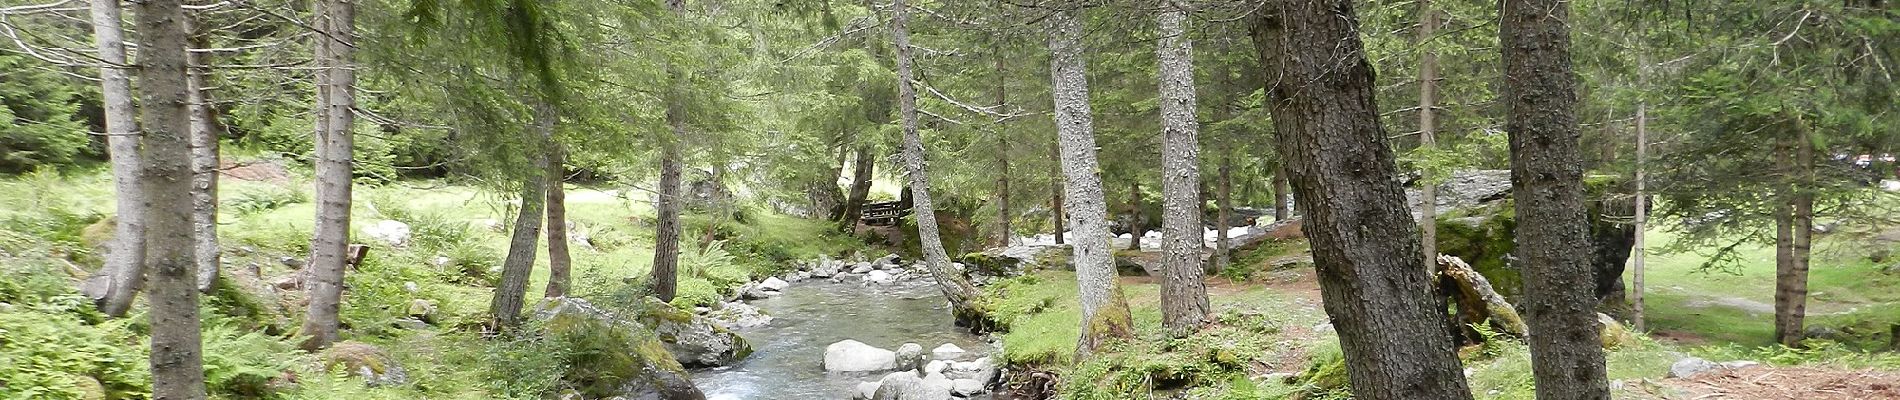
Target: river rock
<point>862,267</point>
<point>867,390</point>
<point>365,361</point>
<point>395,233</point>
<point>910,357</point>
<point>775,284</point>
<point>888,259</point>
<point>936,367</point>
<point>966,387</point>
<point>981,370</point>
<point>854,356</point>
<point>1689,367</point>
<point>739,315</point>
<point>946,352</point>
<point>905,385</point>
<point>634,365</point>
<point>694,341</point>
<point>879,277</point>
<point>755,291</point>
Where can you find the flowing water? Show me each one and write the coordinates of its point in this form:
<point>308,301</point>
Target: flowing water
<point>788,354</point>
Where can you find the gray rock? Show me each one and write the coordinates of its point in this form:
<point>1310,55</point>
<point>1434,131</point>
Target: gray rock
<point>906,385</point>
<point>395,233</point>
<point>879,277</point>
<point>966,387</point>
<point>774,284</point>
<point>981,370</point>
<point>737,315</point>
<point>866,390</point>
<point>1689,367</point>
<point>888,259</point>
<point>936,367</point>
<point>946,352</point>
<point>695,341</point>
<point>365,361</point>
<point>910,357</point>
<point>862,267</point>
<point>855,356</point>
<point>1739,364</point>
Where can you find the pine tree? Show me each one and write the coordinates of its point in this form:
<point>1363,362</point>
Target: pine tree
<point>336,100</point>
<point>176,359</point>
<point>1184,304</point>
<point>124,273</point>
<point>1105,315</point>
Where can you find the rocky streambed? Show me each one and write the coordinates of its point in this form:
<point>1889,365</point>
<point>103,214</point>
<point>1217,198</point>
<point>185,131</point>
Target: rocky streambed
<point>829,331</point>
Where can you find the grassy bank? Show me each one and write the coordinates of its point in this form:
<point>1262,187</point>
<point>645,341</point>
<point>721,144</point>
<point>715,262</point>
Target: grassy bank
<point>53,345</point>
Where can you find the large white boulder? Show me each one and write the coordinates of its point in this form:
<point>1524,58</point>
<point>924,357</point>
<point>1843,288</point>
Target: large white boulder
<point>946,352</point>
<point>775,283</point>
<point>880,277</point>
<point>395,233</point>
<point>905,385</point>
<point>854,356</point>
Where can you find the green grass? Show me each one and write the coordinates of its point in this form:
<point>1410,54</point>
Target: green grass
<point>1735,305</point>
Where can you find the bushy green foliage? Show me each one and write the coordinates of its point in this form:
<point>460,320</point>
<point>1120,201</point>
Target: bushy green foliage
<point>58,356</point>
<point>40,124</point>
<point>525,366</point>
<point>242,363</point>
<point>691,292</point>
<point>257,199</point>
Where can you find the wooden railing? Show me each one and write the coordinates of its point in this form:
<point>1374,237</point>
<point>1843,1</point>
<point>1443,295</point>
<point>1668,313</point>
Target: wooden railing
<point>884,214</point>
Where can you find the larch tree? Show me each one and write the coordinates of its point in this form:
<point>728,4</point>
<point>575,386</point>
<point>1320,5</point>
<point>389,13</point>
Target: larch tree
<point>512,292</point>
<point>1105,315</point>
<point>1553,227</point>
<point>1184,304</point>
<point>1365,247</point>
<point>204,165</point>
<point>560,262</point>
<point>1427,130</point>
<point>664,276</point>
<point>118,283</point>
<point>963,296</point>
<point>176,355</point>
<point>335,111</point>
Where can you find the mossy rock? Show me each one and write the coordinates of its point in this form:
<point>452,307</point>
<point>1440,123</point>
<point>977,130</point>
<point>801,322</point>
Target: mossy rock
<point>692,340</point>
<point>1483,237</point>
<point>990,264</point>
<point>366,361</point>
<point>610,357</point>
<point>1613,334</point>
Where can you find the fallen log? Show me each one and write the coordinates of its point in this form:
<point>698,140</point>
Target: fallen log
<point>1478,303</point>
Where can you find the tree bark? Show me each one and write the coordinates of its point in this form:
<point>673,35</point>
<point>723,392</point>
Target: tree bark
<point>204,167</point>
<point>860,187</point>
<point>1642,217</point>
<point>666,237</point>
<point>176,360</point>
<point>1364,244</point>
<point>1224,210</point>
<point>1105,314</point>
<point>1282,195</point>
<point>1003,214</point>
<point>115,285</point>
<point>1184,305</point>
<point>1135,220</point>
<point>956,288</point>
<point>1056,214</point>
<point>335,101</point>
<point>505,307</point>
<point>1795,232</point>
<point>560,263</point>
<point>1553,226</point>
<point>1427,130</point>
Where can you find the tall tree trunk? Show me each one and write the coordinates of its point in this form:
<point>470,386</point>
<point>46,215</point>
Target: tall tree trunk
<point>204,167</point>
<point>1642,216</point>
<point>1282,195</point>
<point>518,265</point>
<point>1364,244</point>
<point>1003,214</point>
<point>1104,310</point>
<point>860,187</point>
<point>1553,230</point>
<point>176,360</point>
<point>1056,213</point>
<point>826,199</point>
<point>1135,220</point>
<point>1184,305</point>
<point>1427,131</point>
<point>335,100</point>
<point>1224,210</point>
<point>955,287</point>
<point>114,286</point>
<point>666,237</point>
<point>559,262</point>
<point>1791,278</point>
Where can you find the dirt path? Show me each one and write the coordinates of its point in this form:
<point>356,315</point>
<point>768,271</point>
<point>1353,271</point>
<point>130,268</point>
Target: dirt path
<point>1785,383</point>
